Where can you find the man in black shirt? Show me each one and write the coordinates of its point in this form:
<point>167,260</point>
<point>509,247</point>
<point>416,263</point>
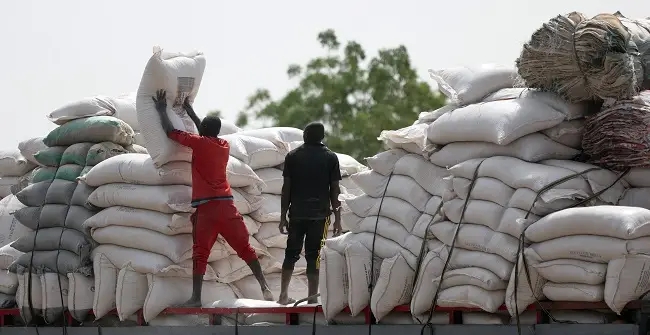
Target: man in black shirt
<point>311,186</point>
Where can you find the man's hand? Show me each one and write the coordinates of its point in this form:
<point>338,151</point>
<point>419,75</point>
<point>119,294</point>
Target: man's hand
<point>160,100</point>
<point>337,229</point>
<point>284,225</point>
<point>187,105</point>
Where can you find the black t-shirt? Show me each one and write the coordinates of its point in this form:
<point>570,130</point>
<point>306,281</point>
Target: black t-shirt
<point>311,169</point>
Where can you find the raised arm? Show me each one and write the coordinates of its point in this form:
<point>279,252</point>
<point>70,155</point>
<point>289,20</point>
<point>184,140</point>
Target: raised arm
<point>184,138</point>
<point>190,112</point>
<point>161,106</point>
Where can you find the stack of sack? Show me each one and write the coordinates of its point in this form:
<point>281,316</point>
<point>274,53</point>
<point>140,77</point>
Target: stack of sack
<point>401,197</point>
<point>57,253</point>
<point>586,254</point>
<point>14,169</point>
<point>508,148</point>
<point>121,107</point>
<point>143,230</point>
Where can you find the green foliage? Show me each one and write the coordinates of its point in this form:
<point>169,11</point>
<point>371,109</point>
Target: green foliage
<point>355,99</point>
<point>215,112</point>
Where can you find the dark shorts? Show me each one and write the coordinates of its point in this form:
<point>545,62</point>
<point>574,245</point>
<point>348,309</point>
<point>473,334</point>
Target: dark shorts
<point>311,234</point>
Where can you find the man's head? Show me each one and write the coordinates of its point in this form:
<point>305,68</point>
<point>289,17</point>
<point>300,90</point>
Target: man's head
<point>314,133</point>
<point>210,126</point>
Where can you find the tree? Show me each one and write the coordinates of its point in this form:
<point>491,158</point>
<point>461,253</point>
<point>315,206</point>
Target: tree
<point>215,112</point>
<point>355,99</point>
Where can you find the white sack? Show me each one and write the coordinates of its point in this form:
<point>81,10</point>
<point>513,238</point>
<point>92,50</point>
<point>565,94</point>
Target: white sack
<point>54,288</point>
<point>572,271</point>
<point>8,255</point>
<point>529,284</point>
<point>433,263</point>
<point>23,296</point>
<point>80,295</point>
<point>161,198</point>
<point>477,237</point>
<point>8,282</point>
<point>472,297</point>
<point>379,225</point>
<point>130,292</point>
<point>474,276</point>
<point>6,184</point>
<point>168,224</point>
<point>105,285</point>
<point>360,272</point>
<point>397,186</point>
<point>393,287</point>
<point>467,85</point>
<point>13,164</point>
<point>391,207</point>
<point>485,188</point>
<point>489,214</point>
<point>613,221</point>
<point>427,175</point>
<point>138,169</point>
<point>383,248</point>
<point>384,162</point>
<point>28,148</point>
<point>349,165</point>
<point>177,248</point>
<point>272,178</point>
<point>535,176</point>
<point>568,133</point>
<point>91,106</point>
<point>228,128</point>
<point>591,248</point>
<point>636,197</point>
<point>10,229</point>
<point>180,76</point>
<point>573,292</point>
<point>269,210</point>
<point>256,152</point>
<point>531,148</point>
<point>627,280</point>
<point>333,282</point>
<point>412,139</point>
<point>276,134</point>
<point>499,122</point>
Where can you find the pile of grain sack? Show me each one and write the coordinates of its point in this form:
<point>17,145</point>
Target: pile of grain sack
<point>467,180</point>
<point>54,269</point>
<point>143,231</point>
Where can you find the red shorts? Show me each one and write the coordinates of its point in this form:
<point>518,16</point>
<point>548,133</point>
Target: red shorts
<point>211,219</point>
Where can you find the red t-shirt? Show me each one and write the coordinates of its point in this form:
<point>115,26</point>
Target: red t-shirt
<point>209,161</point>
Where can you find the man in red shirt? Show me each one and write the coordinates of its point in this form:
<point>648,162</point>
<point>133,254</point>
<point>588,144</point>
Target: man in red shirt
<point>211,196</point>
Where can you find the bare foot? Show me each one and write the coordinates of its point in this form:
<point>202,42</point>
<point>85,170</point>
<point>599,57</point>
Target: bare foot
<point>286,301</point>
<point>268,296</point>
<point>191,303</point>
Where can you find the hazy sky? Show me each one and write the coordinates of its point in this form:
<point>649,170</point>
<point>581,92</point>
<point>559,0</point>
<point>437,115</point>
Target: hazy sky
<point>58,51</point>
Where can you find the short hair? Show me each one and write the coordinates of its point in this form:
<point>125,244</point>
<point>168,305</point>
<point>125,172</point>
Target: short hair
<point>314,133</point>
<point>210,126</point>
